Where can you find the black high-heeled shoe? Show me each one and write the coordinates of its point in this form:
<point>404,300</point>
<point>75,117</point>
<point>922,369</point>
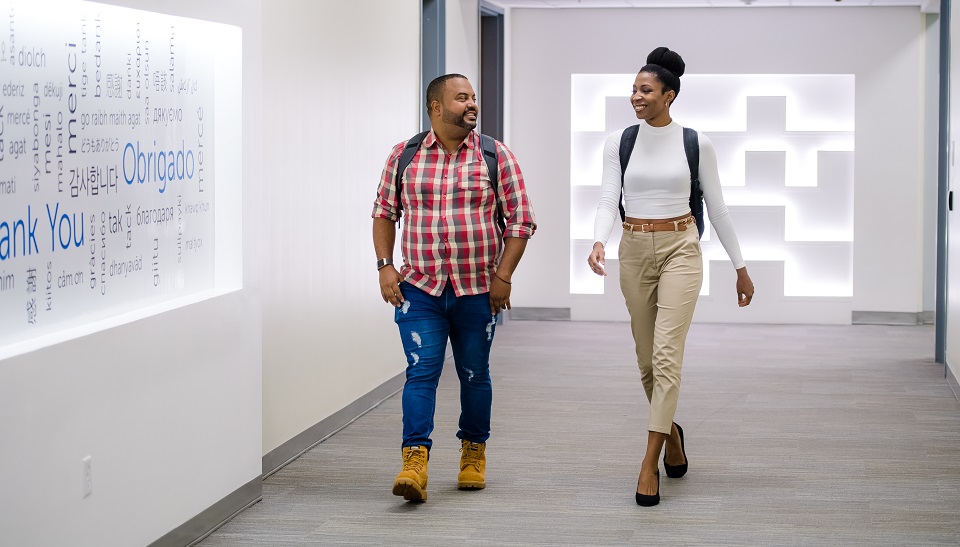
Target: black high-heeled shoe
<point>644,500</point>
<point>677,471</point>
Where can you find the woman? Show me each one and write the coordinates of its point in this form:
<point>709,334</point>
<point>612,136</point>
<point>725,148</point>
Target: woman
<point>661,268</point>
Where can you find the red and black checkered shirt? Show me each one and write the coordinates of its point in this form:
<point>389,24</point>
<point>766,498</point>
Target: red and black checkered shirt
<point>450,232</point>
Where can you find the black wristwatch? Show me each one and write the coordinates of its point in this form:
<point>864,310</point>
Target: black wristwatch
<point>384,262</point>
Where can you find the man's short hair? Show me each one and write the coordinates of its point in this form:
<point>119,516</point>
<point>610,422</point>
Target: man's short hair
<point>436,87</point>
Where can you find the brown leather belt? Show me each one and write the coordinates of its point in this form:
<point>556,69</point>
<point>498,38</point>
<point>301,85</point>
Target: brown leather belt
<point>670,226</point>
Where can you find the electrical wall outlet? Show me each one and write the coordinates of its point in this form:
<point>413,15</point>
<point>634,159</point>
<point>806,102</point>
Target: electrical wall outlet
<point>87,476</point>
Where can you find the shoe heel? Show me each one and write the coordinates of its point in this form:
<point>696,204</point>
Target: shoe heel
<point>677,471</point>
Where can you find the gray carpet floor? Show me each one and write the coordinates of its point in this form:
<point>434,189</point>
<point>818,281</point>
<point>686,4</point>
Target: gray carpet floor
<point>796,435</point>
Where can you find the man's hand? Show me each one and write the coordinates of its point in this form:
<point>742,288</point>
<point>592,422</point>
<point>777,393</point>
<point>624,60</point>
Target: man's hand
<point>384,232</point>
<point>390,280</point>
<point>499,294</point>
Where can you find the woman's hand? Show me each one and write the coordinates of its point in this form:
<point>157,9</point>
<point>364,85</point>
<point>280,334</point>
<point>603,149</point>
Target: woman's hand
<point>596,259</point>
<point>744,287</point>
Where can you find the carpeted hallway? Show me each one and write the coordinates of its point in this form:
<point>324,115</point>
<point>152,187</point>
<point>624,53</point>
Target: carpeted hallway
<point>796,435</point>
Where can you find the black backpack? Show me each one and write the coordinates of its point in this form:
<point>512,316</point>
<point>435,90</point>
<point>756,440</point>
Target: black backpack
<point>691,147</point>
<point>489,146</point>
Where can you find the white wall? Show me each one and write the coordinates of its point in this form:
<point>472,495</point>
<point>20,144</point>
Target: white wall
<point>930,150</point>
<point>341,87</point>
<point>167,405</point>
<point>882,47</point>
<point>463,39</point>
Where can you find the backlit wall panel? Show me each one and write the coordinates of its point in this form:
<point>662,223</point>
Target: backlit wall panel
<point>785,154</point>
<point>106,161</point>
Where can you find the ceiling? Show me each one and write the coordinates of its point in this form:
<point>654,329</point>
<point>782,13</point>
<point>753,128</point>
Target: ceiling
<point>932,6</point>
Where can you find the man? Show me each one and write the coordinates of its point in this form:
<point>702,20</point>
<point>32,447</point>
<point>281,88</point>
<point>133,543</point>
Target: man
<point>454,280</point>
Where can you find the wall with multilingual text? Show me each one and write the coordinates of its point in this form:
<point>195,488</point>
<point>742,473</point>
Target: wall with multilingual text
<point>106,163</point>
<point>130,331</point>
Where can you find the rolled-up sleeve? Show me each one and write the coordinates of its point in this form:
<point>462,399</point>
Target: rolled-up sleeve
<point>514,202</point>
<point>386,203</point>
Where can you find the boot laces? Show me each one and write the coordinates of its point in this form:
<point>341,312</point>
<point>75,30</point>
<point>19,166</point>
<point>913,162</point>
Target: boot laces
<point>471,455</point>
<point>415,459</point>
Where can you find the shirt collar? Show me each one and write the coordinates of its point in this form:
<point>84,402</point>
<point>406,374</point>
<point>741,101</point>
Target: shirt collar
<point>470,140</point>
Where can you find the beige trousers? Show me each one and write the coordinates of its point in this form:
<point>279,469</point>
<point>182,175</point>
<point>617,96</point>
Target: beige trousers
<point>660,276</point>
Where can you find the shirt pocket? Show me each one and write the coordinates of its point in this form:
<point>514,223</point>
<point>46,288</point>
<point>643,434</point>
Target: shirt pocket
<point>472,177</point>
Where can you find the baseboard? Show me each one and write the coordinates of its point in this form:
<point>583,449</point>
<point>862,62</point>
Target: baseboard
<point>196,529</point>
<point>952,381</point>
<point>322,430</point>
<point>887,318</point>
<point>540,314</point>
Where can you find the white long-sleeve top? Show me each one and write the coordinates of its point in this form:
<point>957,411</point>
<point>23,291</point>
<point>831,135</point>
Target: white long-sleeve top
<point>657,184</point>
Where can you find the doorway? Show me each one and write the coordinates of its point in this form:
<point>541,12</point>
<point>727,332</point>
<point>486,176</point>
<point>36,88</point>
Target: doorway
<point>491,70</point>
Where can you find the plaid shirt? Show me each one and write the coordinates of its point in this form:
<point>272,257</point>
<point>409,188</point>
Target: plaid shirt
<point>451,231</point>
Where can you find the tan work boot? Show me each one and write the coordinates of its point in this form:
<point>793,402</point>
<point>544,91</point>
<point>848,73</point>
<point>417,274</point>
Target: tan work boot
<point>473,464</point>
<point>411,483</point>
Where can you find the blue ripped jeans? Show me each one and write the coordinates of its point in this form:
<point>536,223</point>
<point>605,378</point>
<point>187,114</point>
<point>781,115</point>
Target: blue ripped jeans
<point>425,323</point>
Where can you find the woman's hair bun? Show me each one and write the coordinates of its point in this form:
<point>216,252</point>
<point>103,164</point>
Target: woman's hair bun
<point>670,60</point>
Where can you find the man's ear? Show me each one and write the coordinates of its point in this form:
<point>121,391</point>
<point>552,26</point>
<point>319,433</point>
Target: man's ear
<point>435,106</point>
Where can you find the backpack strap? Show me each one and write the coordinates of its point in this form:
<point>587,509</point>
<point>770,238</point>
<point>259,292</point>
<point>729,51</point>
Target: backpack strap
<point>627,140</point>
<point>489,146</point>
<point>691,147</point>
<point>406,157</point>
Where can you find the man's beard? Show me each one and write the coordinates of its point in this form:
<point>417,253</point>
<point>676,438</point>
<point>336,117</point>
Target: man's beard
<point>459,121</point>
